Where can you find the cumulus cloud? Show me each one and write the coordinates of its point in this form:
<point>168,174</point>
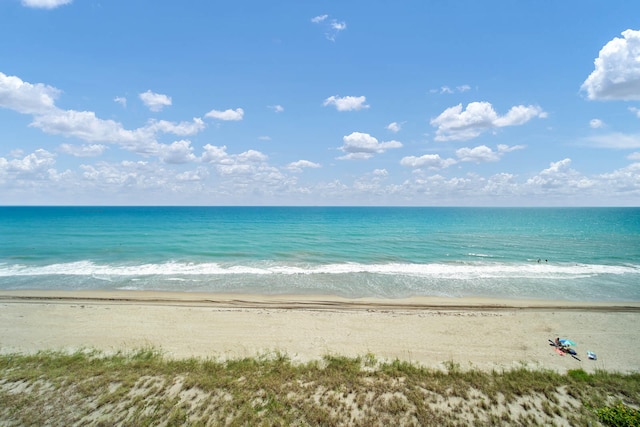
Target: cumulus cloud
<point>45,4</point>
<point>622,181</point>
<point>302,164</point>
<point>596,123</point>
<point>92,150</point>
<point>245,170</point>
<point>394,127</point>
<point>231,163</point>
<point>559,175</point>
<point>35,164</point>
<point>360,145</point>
<point>634,156</point>
<point>83,125</point>
<point>482,153</point>
<point>132,175</point>
<point>277,108</point>
<point>24,97</point>
<point>38,100</point>
<point>635,111</point>
<point>428,161</point>
<point>181,128</point>
<point>347,103</point>
<point>177,152</point>
<point>155,101</point>
<point>226,115</point>
<point>617,70</point>
<point>456,124</point>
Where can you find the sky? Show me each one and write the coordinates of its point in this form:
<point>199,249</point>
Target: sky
<point>333,102</point>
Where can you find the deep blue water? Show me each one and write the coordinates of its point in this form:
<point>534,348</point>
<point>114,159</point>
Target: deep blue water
<point>584,254</point>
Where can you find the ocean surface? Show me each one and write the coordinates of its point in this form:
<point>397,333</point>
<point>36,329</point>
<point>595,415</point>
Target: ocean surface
<point>575,254</point>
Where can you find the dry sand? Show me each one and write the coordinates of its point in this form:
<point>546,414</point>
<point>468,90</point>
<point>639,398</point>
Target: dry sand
<point>479,333</point>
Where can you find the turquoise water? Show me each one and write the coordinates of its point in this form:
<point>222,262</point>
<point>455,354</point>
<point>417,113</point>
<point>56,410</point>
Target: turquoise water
<point>582,254</point>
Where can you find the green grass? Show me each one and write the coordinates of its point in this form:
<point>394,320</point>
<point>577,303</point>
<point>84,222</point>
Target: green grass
<point>145,388</point>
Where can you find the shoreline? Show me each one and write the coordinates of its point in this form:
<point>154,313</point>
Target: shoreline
<point>479,333</point>
<point>305,301</point>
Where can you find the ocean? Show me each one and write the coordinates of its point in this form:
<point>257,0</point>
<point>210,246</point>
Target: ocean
<point>573,254</point>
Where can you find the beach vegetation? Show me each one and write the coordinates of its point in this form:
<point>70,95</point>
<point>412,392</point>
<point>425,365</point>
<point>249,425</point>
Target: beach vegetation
<point>146,388</point>
<point>618,415</point>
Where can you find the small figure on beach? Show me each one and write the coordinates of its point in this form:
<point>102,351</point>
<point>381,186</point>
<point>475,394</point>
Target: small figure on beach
<point>562,346</point>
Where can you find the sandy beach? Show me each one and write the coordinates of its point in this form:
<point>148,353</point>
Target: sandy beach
<point>478,333</point>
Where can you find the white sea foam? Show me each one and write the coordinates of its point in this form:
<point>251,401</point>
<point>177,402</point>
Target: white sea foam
<point>458,270</point>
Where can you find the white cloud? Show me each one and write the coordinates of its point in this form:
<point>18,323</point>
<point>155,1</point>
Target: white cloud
<point>448,90</point>
<point>120,100</point>
<point>360,145</point>
<point>634,156</point>
<point>561,177</point>
<point>332,26</point>
<point>252,156</point>
<point>215,154</point>
<point>478,154</point>
<point>617,70</point>
<point>126,174</point>
<point>347,103</point>
<point>457,124</point>
<point>32,165</point>
<point>45,4</point>
<point>226,115</point>
<point>177,152</point>
<point>24,97</point>
<point>155,101</point>
<point>429,161</point>
<point>616,140</point>
<point>193,175</point>
<point>302,164</point>
<point>482,153</point>
<point>277,108</point>
<point>84,125</point>
<point>622,181</point>
<point>338,26</point>
<point>93,150</point>
<point>219,156</point>
<point>181,128</point>
<point>394,127</point>
<point>319,18</point>
<point>519,115</point>
<point>596,123</point>
<point>635,111</point>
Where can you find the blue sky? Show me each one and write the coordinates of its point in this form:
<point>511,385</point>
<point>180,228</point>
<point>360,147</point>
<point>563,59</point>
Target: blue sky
<point>492,103</point>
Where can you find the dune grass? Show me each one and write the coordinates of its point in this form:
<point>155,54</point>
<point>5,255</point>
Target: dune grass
<point>146,388</point>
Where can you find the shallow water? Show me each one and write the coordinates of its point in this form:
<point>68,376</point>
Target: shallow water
<point>582,254</point>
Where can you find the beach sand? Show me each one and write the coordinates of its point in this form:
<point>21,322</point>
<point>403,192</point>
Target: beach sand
<point>474,333</point>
